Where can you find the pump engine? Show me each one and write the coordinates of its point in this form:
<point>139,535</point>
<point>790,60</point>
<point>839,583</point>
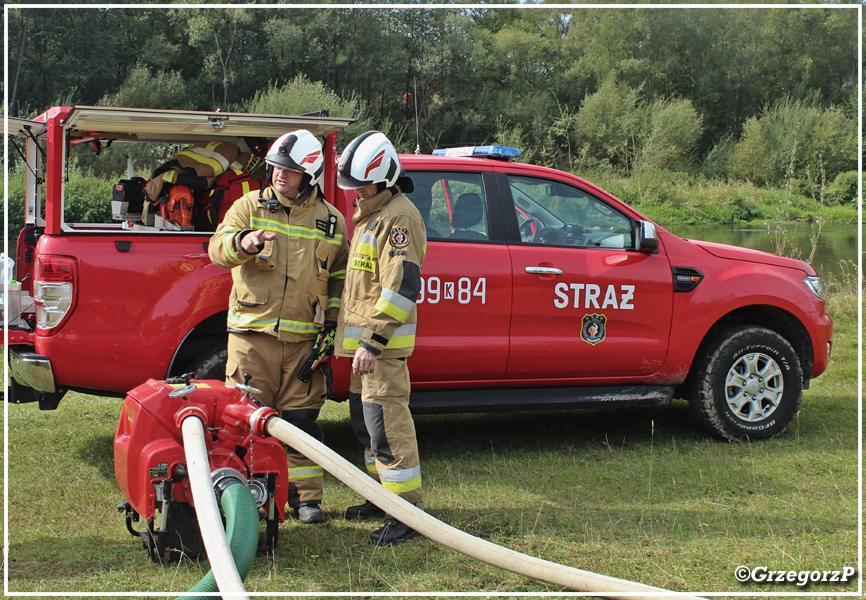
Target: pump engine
<point>150,463</point>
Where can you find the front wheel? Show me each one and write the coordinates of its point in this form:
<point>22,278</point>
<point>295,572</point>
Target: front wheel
<point>747,385</point>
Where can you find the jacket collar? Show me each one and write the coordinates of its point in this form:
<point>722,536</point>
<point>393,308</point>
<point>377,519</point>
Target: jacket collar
<point>286,201</point>
<point>372,204</point>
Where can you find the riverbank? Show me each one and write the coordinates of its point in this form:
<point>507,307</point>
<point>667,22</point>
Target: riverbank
<point>671,198</point>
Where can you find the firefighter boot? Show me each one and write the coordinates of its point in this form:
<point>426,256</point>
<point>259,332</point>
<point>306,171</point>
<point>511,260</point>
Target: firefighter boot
<point>393,532</point>
<point>364,512</point>
<point>310,513</point>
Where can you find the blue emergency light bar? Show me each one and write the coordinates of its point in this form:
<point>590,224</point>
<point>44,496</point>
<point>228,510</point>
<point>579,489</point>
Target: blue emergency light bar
<point>500,152</point>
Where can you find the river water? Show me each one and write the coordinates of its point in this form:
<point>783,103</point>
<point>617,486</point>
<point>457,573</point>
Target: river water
<point>835,252</point>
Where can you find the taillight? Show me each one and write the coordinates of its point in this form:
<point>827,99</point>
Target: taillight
<point>53,289</point>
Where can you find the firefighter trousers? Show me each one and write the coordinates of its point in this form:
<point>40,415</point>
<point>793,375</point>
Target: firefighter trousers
<point>379,408</point>
<point>274,366</point>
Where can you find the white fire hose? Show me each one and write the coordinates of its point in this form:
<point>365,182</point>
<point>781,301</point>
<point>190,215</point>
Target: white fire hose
<point>436,530</point>
<point>207,511</point>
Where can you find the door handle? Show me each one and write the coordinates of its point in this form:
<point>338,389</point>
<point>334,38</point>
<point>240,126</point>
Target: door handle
<point>543,271</point>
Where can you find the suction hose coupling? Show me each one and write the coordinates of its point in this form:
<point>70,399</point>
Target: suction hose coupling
<point>224,477</point>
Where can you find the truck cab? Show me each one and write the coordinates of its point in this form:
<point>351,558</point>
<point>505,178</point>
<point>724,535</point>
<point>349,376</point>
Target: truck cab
<point>540,290</point>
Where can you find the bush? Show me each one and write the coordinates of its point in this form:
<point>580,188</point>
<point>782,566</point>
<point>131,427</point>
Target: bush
<point>796,140</point>
<point>608,120</point>
<point>145,89</point>
<point>673,132</point>
<point>844,188</point>
<point>300,96</point>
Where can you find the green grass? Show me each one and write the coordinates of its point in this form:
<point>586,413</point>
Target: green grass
<point>638,494</point>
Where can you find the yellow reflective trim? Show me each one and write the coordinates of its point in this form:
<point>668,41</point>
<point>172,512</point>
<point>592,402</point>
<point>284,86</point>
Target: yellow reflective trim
<point>293,230</point>
<point>334,302</point>
<point>169,176</point>
<point>367,250</point>
<point>245,185</point>
<point>363,264</point>
<point>298,326</point>
<point>403,486</point>
<point>212,163</point>
<point>338,274</point>
<point>305,472</point>
<point>392,310</point>
<point>352,344</point>
<point>245,320</point>
<point>403,341</point>
<point>229,250</point>
<point>371,469</point>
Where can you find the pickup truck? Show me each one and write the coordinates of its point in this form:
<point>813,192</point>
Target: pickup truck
<point>540,290</point>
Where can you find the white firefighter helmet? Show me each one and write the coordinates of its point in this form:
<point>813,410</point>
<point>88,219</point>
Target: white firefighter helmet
<point>297,151</point>
<point>369,158</point>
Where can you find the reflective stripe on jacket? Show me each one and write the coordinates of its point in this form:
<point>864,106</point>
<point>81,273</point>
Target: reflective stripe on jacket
<point>383,277</point>
<point>294,283</point>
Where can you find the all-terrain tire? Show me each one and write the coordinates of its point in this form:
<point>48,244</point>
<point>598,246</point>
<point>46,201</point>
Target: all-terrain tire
<point>747,385</point>
<point>211,365</point>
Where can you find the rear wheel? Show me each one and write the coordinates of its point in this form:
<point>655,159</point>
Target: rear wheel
<point>747,385</point>
<point>211,365</point>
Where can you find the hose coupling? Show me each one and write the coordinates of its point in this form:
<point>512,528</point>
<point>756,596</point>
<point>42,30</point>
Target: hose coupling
<point>224,477</point>
<point>190,411</point>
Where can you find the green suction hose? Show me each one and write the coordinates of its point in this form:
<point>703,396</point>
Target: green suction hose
<point>242,531</point>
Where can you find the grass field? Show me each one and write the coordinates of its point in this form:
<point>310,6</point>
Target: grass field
<point>638,494</point>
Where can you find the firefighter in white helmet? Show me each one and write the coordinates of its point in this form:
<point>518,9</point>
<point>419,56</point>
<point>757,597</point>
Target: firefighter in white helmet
<point>287,249</point>
<point>377,323</point>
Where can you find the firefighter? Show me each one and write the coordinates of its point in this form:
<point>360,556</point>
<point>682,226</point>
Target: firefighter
<point>287,250</point>
<point>377,323</point>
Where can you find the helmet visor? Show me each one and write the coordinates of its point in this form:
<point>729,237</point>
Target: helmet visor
<point>349,184</point>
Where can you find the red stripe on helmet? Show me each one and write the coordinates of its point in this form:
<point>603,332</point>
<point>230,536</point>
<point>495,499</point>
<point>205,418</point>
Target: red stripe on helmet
<point>311,158</point>
<point>374,163</point>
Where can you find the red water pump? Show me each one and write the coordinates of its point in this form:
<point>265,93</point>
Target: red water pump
<point>150,463</point>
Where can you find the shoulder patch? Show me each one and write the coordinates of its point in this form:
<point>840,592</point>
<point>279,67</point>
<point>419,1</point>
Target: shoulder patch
<point>399,237</point>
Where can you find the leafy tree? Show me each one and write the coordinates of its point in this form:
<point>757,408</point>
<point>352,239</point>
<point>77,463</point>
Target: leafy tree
<point>145,89</point>
<point>797,139</point>
<point>609,121</point>
<point>672,132</point>
<point>300,96</point>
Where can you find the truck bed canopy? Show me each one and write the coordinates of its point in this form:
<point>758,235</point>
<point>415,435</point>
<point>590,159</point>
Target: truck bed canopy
<point>141,124</point>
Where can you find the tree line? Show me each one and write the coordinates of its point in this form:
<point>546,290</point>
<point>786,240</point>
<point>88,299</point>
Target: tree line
<point>768,94</point>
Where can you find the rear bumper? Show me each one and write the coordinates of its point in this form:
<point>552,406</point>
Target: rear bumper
<point>31,370</point>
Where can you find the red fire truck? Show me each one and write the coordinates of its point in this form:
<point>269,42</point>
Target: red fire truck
<point>540,290</point>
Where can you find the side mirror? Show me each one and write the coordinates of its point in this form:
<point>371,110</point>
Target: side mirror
<point>646,237</point>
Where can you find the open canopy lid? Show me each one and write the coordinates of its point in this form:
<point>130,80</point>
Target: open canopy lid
<point>143,124</point>
<point>16,126</point>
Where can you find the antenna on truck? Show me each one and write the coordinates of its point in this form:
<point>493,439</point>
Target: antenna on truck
<point>415,98</point>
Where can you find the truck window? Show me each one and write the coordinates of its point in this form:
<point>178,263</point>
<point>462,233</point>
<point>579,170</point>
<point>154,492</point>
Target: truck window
<point>452,204</point>
<point>552,213</point>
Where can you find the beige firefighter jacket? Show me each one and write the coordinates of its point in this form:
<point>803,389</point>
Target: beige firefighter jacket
<point>383,278</point>
<point>294,283</point>
<point>207,159</point>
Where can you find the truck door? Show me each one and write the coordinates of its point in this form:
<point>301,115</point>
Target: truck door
<point>464,304</point>
<point>585,305</point>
